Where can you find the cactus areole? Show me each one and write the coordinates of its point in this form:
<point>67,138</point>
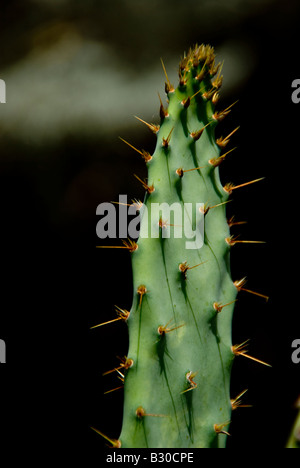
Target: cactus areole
<point>177,386</point>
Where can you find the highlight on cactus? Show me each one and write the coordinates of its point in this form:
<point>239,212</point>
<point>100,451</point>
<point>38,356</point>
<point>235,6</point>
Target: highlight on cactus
<point>176,375</point>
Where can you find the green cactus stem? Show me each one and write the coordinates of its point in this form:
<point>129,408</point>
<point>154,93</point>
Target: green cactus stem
<point>177,388</point>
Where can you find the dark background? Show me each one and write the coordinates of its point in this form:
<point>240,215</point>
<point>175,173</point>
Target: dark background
<point>76,74</point>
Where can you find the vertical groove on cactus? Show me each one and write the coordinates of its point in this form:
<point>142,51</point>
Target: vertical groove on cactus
<point>177,390</point>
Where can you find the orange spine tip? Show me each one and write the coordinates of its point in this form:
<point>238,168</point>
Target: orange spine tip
<point>106,323</point>
<point>123,315</point>
<point>149,188</point>
<point>239,350</point>
<point>162,330</point>
<point>215,98</point>
<point>166,141</point>
<point>141,413</point>
<point>154,128</point>
<point>219,307</point>
<point>189,377</point>
<point>233,240</point>
<point>231,222</point>
<point>141,290</point>
<point>217,161</point>
<point>114,442</point>
<point>125,363</point>
<point>128,245</point>
<point>197,135</point>
<point>239,285</point>
<point>186,102</point>
<point>222,114</point>
<point>205,209</point>
<point>168,88</point>
<point>113,389</point>
<point>222,142</point>
<point>237,402</point>
<point>219,428</point>
<point>162,111</point>
<point>184,267</point>
<point>145,155</point>
<point>230,187</point>
<point>181,172</point>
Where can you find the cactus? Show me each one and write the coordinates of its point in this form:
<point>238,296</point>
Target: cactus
<point>177,370</point>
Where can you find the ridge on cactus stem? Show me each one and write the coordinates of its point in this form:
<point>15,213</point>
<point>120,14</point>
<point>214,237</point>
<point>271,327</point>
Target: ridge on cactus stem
<point>178,365</point>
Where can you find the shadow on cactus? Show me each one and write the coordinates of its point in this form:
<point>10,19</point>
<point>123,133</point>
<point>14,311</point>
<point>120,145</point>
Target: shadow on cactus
<point>177,373</point>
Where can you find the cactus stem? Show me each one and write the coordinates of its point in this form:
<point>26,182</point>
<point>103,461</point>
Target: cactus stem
<point>239,350</point>
<point>222,142</point>
<point>149,188</point>
<point>169,88</point>
<point>219,428</point>
<point>154,128</point>
<point>114,442</point>
<point>217,161</point>
<point>179,300</point>
<point>230,187</point>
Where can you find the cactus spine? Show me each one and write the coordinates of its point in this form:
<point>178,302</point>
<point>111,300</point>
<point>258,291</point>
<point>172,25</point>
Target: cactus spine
<point>177,373</point>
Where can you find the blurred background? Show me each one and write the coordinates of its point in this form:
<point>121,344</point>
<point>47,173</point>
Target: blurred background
<point>76,73</point>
